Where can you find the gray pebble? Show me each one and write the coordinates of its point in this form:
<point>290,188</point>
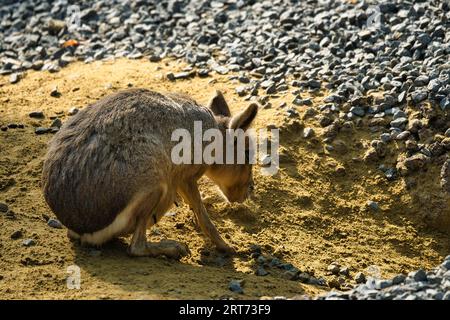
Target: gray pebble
<point>236,286</point>
<point>28,242</point>
<point>53,223</point>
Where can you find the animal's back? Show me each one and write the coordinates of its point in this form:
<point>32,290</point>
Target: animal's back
<point>110,151</point>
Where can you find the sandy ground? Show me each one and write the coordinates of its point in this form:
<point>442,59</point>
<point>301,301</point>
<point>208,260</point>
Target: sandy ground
<point>313,212</point>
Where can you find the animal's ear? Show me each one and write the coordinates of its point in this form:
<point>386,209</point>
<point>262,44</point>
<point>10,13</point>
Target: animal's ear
<point>218,105</point>
<point>244,119</point>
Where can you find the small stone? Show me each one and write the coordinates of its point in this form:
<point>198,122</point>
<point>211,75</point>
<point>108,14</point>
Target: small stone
<point>241,90</point>
<point>14,78</point>
<point>372,205</point>
<point>57,123</point>
<point>415,162</point>
<point>399,122</point>
<point>385,137</point>
<point>260,271</point>
<point>382,284</point>
<point>421,81</point>
<point>344,271</point>
<point>72,111</point>
<point>419,96</point>
<point>41,130</point>
<point>333,268</point>
<point>360,278</point>
<point>221,70</point>
<point>290,275</point>
<point>36,114</point>
<point>324,121</point>
<point>155,58</point>
<point>308,133</point>
<point>53,223</point>
<point>55,93</point>
<point>202,73</point>
<point>419,275</point>
<point>3,207</point>
<point>446,265</point>
<point>445,103</point>
<point>28,242</point>
<point>303,277</point>
<point>16,235</point>
<point>391,174</point>
<point>170,76</point>
<point>400,278</point>
<point>403,135</point>
<point>357,111</point>
<point>236,286</point>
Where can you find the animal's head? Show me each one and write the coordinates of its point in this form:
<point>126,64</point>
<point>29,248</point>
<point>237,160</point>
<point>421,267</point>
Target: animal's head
<point>234,180</point>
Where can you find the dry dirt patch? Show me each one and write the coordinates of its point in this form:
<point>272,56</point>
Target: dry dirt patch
<point>313,212</point>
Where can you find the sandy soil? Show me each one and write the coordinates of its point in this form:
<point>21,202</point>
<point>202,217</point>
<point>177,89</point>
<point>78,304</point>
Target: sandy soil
<point>313,212</point>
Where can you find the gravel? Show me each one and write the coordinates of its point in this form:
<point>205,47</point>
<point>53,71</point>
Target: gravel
<point>417,285</point>
<point>334,44</point>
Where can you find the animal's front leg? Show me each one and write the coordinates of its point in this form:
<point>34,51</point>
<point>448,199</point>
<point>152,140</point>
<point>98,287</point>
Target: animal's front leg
<point>189,192</point>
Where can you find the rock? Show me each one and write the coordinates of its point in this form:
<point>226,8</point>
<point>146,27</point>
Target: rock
<point>344,271</point>
<point>419,275</point>
<point>53,223</point>
<point>333,268</point>
<point>419,96</point>
<point>72,111</point>
<point>41,130</point>
<point>308,132</point>
<point>221,70</point>
<point>241,90</point>
<point>55,93</point>
<point>57,123</point>
<point>357,111</point>
<point>36,114</point>
<point>324,121</point>
<point>414,162</point>
<point>16,235</point>
<point>421,81</point>
<point>399,122</point>
<point>391,174</point>
<point>445,103</point>
<point>304,277</point>
<point>290,275</point>
<point>385,137</point>
<point>398,279</point>
<point>170,76</point>
<point>14,78</point>
<point>360,278</point>
<point>372,205</point>
<point>28,242</point>
<point>260,271</point>
<point>446,265</point>
<point>3,207</point>
<point>403,135</point>
<point>236,286</point>
<point>54,26</point>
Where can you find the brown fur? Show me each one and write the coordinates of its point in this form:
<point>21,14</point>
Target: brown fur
<point>120,147</point>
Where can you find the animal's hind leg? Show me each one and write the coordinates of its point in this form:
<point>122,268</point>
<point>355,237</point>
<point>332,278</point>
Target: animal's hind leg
<point>148,215</point>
